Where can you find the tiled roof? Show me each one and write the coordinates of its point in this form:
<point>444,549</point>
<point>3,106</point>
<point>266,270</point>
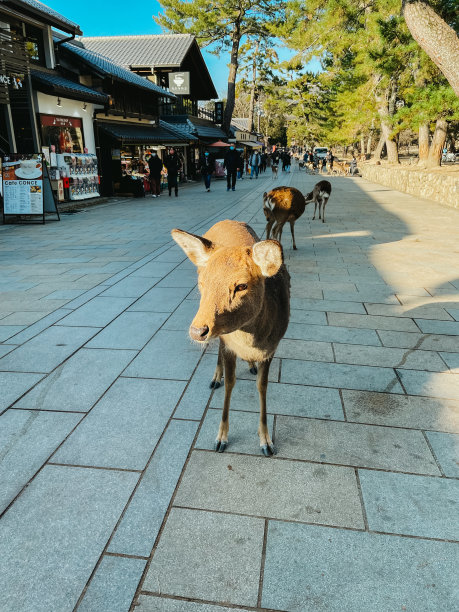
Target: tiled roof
<point>107,67</point>
<point>54,82</point>
<point>55,16</point>
<point>198,127</point>
<point>240,123</point>
<point>177,129</point>
<point>158,50</point>
<point>144,134</point>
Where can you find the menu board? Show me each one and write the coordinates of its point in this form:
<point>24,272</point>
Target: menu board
<point>23,184</point>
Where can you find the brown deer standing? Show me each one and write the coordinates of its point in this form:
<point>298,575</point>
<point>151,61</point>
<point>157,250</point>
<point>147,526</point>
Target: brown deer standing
<point>245,291</point>
<point>319,195</point>
<point>280,205</point>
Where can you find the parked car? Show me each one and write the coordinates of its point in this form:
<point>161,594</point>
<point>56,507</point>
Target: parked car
<point>321,152</point>
<point>449,157</point>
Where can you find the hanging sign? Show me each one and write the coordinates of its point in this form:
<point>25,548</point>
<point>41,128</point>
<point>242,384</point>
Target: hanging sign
<point>23,185</point>
<point>179,83</point>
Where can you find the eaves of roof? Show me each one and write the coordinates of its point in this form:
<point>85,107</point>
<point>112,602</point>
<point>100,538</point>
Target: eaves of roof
<point>54,83</point>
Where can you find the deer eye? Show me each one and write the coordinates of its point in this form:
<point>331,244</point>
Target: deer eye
<point>241,287</point>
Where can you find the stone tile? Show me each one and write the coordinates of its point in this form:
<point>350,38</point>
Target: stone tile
<point>388,357</point>
<point>79,382</point>
<point>430,384</point>
<point>411,505</point>
<point>371,296</point>
<point>305,349</point>
<point>84,297</point>
<point>142,520</point>
<point>180,278</point>
<point>371,322</point>
<point>329,333</point>
<point>311,317</point>
<point>68,513</point>
<point>98,312</point>
<point>446,449</point>
<point>196,396</point>
<point>327,305</point>
<point>158,299</point>
<point>156,268</point>
<point>243,437</point>
<point>124,427</point>
<point>23,318</point>
<point>181,318</point>
<point>27,439</point>
<point>198,549</point>
<point>399,450</point>
<point>422,312</point>
<point>454,312</point>
<point>438,327</point>
<point>113,586</point>
<point>452,361</point>
<point>6,348</point>
<point>131,330</point>
<point>293,400</point>
<point>64,294</point>
<point>340,375</point>
<point>132,286</point>
<point>47,350</point>
<point>15,384</point>
<point>8,331</point>
<point>243,372</point>
<point>273,489</point>
<point>150,603</point>
<point>402,410</point>
<point>419,341</point>
<point>310,568</point>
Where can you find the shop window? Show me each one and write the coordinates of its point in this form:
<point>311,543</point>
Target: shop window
<point>62,134</point>
<point>35,45</point>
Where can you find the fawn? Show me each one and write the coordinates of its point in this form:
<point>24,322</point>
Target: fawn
<point>280,205</point>
<point>245,295</point>
<point>319,195</point>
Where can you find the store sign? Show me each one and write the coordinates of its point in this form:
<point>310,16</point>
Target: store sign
<point>218,112</point>
<point>179,83</point>
<point>23,185</point>
<point>15,81</point>
<point>56,120</point>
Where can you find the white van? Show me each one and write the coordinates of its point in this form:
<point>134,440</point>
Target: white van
<point>321,152</point>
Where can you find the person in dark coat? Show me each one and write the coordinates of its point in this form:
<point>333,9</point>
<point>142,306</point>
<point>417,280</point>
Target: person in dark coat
<point>207,168</point>
<point>156,165</point>
<point>173,166</point>
<point>232,163</point>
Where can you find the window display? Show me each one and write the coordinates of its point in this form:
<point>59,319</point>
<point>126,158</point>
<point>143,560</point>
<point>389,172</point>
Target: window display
<point>82,172</point>
<point>63,133</point>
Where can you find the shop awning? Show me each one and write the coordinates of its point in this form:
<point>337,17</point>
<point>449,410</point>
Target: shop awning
<point>219,143</point>
<point>252,145</point>
<point>129,133</point>
<point>53,83</point>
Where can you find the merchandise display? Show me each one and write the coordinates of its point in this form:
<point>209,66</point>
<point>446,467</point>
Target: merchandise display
<point>82,171</point>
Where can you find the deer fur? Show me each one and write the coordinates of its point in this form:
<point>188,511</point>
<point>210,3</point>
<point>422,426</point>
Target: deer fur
<point>280,205</point>
<point>319,195</point>
<point>245,294</point>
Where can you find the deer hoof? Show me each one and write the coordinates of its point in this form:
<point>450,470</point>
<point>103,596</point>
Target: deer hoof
<point>268,450</point>
<point>215,384</point>
<point>220,446</point>
<point>253,370</point>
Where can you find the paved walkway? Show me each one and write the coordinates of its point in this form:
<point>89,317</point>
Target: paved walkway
<point>111,498</point>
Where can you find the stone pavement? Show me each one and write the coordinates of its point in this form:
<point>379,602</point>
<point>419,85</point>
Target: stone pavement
<point>111,497</point>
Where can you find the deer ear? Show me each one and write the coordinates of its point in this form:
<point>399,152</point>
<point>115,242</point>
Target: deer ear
<point>197,248</point>
<point>268,256</point>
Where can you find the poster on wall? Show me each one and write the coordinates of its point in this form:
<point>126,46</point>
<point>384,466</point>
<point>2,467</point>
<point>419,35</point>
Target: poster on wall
<point>23,185</point>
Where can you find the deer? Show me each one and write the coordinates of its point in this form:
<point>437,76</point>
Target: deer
<point>245,303</point>
<point>319,195</point>
<point>280,205</point>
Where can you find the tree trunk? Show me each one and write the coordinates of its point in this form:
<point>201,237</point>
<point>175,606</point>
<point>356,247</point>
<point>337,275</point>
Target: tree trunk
<point>438,142</point>
<point>435,36</point>
<point>423,143</point>
<point>231,96</point>
<point>385,102</point>
<point>253,87</point>
<point>370,138</point>
<point>362,144</point>
<point>379,148</point>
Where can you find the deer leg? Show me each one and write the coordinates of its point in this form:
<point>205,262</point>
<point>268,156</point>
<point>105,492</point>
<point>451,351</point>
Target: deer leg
<point>267,447</point>
<point>324,204</point>
<point>315,208</point>
<point>292,229</point>
<point>253,367</point>
<point>269,226</point>
<point>279,228</point>
<point>217,379</point>
<point>229,362</point>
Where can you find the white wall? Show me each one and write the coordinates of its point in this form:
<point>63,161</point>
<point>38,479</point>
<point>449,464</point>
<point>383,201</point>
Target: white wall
<point>71,108</point>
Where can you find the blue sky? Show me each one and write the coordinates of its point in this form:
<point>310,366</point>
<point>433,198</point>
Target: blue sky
<point>120,17</point>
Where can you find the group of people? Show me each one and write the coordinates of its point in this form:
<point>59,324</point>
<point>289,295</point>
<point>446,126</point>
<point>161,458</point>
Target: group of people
<point>173,165</point>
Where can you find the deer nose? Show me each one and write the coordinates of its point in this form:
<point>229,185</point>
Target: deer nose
<point>199,333</point>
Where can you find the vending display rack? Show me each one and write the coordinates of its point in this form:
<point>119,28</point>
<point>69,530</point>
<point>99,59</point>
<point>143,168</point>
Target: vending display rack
<point>82,173</point>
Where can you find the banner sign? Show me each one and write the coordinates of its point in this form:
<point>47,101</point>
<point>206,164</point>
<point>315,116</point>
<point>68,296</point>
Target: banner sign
<point>23,184</point>
<point>179,83</point>
<point>60,121</point>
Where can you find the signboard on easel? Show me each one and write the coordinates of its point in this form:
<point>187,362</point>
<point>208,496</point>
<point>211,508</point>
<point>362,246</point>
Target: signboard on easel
<point>26,187</point>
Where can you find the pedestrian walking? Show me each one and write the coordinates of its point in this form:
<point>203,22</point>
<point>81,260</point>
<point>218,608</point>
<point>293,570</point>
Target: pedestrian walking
<point>353,166</point>
<point>232,163</point>
<point>287,161</point>
<point>330,159</point>
<point>207,168</point>
<point>155,165</point>
<point>174,166</point>
<point>254,164</point>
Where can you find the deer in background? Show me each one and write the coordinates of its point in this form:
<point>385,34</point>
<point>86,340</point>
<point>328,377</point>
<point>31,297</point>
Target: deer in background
<point>245,295</point>
<point>280,205</point>
<point>319,195</point>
